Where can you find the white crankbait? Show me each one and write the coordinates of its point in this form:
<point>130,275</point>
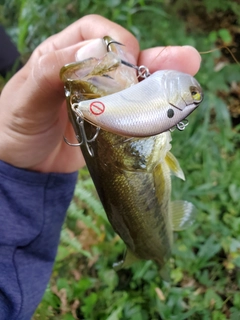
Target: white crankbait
<point>152,106</point>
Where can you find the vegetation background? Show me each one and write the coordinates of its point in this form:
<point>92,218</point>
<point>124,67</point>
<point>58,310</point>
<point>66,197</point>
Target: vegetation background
<point>205,276</point>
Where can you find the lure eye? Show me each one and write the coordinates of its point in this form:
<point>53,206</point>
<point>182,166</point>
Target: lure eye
<point>197,96</point>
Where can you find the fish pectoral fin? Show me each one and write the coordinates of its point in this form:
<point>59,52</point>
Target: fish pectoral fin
<point>183,214</point>
<point>128,260</point>
<point>174,165</point>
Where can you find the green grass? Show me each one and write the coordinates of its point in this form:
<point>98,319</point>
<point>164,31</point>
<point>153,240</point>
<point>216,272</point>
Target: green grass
<point>205,264</point>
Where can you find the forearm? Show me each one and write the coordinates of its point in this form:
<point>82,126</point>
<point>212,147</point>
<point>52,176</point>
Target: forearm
<point>32,210</point>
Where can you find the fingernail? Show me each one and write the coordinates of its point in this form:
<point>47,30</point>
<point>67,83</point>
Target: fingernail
<point>195,51</point>
<point>94,48</point>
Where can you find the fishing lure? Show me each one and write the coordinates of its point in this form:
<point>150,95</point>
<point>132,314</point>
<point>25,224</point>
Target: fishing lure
<point>152,106</point>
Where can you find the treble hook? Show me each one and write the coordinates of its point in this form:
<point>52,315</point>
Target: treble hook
<point>143,71</point>
<point>72,144</point>
<point>85,141</point>
<point>108,43</point>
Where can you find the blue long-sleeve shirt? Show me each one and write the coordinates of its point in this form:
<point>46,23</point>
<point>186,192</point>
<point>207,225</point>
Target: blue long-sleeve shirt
<point>32,211</point>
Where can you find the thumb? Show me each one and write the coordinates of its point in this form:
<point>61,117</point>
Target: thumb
<point>38,90</point>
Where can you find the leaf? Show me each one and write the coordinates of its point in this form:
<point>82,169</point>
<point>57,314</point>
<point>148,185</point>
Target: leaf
<point>116,314</point>
<point>225,35</point>
<point>234,192</point>
<point>89,304</point>
<point>212,300</point>
<point>209,249</point>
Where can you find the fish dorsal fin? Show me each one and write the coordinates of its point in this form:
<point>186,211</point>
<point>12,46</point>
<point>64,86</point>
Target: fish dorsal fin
<point>174,165</point>
<point>127,261</point>
<point>183,214</point>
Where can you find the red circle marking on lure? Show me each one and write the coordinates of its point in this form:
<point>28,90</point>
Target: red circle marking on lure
<point>97,108</point>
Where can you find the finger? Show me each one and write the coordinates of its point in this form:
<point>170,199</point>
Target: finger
<point>90,27</point>
<point>185,59</point>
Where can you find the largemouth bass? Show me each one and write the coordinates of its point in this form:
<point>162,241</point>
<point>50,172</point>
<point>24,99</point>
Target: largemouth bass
<point>132,175</point>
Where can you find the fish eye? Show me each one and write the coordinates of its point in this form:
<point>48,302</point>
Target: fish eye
<point>170,113</point>
<point>197,97</point>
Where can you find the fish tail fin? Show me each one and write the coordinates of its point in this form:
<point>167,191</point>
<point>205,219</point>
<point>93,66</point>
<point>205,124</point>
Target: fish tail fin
<point>165,273</point>
<point>127,261</point>
<point>183,214</point>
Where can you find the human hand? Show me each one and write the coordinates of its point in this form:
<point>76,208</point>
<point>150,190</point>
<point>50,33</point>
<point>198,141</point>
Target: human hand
<point>33,114</point>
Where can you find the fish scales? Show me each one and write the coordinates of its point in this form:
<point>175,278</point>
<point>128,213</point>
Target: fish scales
<point>140,213</point>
